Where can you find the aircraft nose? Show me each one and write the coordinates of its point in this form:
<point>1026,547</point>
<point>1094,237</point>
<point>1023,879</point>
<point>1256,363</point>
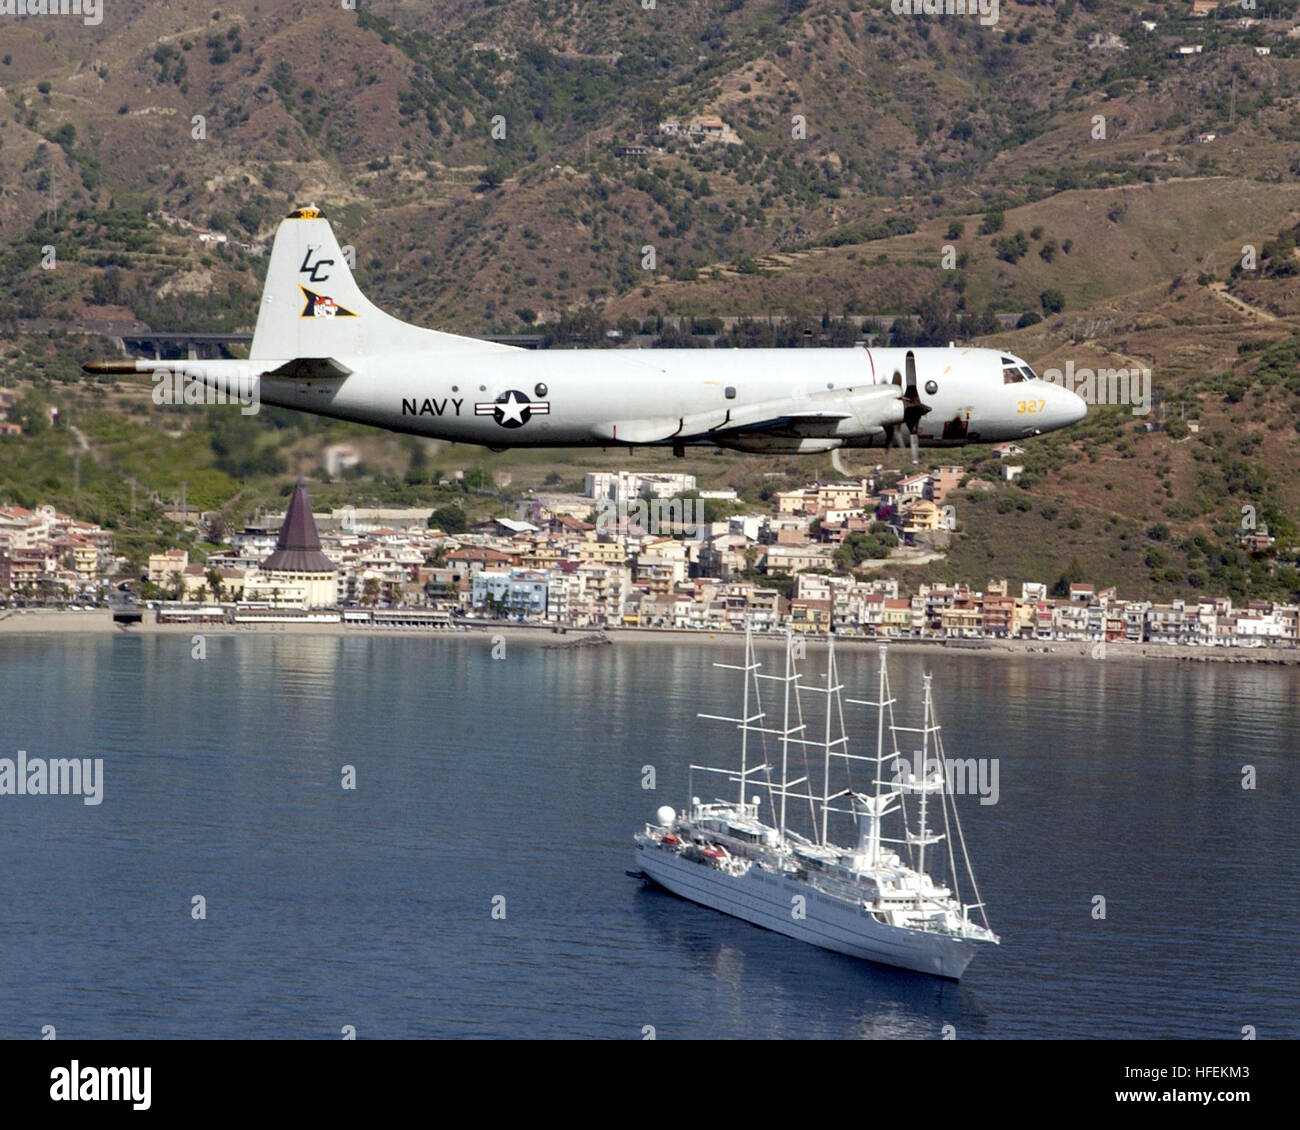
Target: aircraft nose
<point>1067,407</point>
<point>1074,409</point>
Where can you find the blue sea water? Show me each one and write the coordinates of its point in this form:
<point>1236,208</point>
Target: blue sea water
<point>517,783</point>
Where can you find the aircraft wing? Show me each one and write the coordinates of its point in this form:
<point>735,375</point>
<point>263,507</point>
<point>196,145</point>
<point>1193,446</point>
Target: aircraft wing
<point>872,408</point>
<point>782,423</point>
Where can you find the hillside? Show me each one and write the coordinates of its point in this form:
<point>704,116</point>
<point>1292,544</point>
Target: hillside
<point>1067,180</point>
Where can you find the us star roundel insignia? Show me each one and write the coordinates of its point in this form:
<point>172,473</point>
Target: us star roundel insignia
<point>512,409</point>
<point>322,306</point>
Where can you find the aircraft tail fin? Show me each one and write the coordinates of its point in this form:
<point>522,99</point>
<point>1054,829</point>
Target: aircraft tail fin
<point>312,307</point>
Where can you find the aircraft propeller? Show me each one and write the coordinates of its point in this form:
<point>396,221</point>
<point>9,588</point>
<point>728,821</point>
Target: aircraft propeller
<point>913,409</point>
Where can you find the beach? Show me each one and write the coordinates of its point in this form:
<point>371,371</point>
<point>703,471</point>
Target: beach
<point>100,621</point>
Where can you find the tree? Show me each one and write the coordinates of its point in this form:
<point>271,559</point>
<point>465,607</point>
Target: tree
<point>647,110</point>
<point>449,519</point>
<point>1011,248</point>
<point>493,176</point>
<point>938,322</point>
<point>859,547</point>
<point>1073,575</point>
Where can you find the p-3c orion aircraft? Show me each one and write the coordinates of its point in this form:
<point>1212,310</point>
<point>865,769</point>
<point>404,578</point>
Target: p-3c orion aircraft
<point>321,347</point>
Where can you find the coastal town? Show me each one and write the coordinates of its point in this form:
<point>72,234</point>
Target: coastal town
<point>634,550</point>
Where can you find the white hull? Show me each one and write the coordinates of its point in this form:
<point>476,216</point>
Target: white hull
<point>766,899</point>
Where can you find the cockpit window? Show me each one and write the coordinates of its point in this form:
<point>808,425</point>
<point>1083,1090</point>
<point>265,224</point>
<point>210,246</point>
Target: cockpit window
<point>1030,375</point>
<point>1011,374</point>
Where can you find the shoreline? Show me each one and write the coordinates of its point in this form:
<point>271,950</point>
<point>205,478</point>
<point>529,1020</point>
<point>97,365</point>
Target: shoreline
<point>100,622</point>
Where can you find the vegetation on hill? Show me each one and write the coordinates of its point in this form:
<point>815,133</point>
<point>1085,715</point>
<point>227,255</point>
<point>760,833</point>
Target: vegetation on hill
<point>876,165</point>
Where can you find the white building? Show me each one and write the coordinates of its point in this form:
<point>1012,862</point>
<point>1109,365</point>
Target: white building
<point>624,486</point>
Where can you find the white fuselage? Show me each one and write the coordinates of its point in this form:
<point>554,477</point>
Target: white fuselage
<point>560,398</point>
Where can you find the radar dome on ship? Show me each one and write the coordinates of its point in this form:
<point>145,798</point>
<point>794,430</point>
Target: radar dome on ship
<point>666,816</point>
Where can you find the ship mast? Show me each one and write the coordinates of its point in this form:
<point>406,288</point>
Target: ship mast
<point>926,785</point>
<point>829,746</point>
<point>785,730</point>
<point>744,730</point>
<point>876,810</point>
<point>746,722</point>
<point>880,725</point>
<point>925,769</point>
<point>831,689</point>
<point>876,807</point>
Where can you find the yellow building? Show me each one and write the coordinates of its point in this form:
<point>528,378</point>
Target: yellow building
<point>923,517</point>
<point>603,552</point>
<point>165,568</point>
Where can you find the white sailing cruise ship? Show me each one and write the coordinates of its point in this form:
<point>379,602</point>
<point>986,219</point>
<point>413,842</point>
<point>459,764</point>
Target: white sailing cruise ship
<point>873,900</point>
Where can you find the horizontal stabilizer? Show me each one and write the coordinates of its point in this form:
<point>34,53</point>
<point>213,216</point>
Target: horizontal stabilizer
<point>311,369</point>
<point>295,369</point>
